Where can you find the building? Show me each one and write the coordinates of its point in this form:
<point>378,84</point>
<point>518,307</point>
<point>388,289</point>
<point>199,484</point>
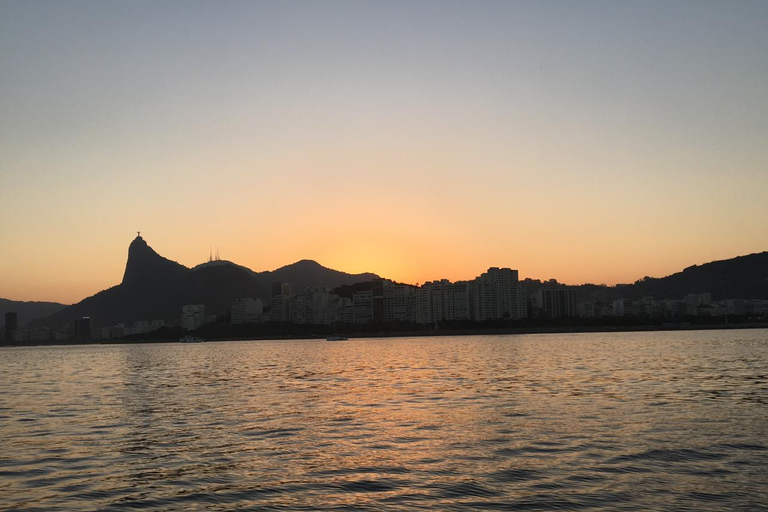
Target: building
<point>398,302</point>
<point>281,289</point>
<point>646,307</point>
<point>320,298</point>
<point>83,328</point>
<point>340,310</point>
<point>362,303</point>
<point>442,300</point>
<point>462,301</point>
<point>246,311</point>
<point>422,305</point>
<point>280,305</point>
<point>673,308</point>
<point>311,307</point>
<point>556,302</point>
<point>622,307</point>
<point>140,327</point>
<point>192,316</point>
<point>498,295</point>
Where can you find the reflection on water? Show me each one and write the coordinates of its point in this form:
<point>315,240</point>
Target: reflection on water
<point>631,421</point>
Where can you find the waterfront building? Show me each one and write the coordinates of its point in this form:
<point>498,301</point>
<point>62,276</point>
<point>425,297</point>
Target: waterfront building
<point>83,328</point>
<point>340,310</point>
<point>499,295</point>
<point>117,331</point>
<point>362,302</point>
<point>462,301</point>
<point>398,302</point>
<point>192,316</point>
<point>442,300</point>
<point>622,307</point>
<point>646,307</point>
<point>673,308</point>
<point>246,311</point>
<point>140,327</point>
<point>280,307</point>
<point>422,305</point>
<point>319,301</point>
<point>556,302</point>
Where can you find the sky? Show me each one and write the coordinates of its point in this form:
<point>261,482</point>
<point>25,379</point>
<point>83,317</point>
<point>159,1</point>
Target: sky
<point>586,141</point>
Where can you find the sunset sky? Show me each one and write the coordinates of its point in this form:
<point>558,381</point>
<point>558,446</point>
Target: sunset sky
<point>587,141</point>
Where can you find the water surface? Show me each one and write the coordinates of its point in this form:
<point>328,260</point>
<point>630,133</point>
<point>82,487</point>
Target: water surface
<point>619,421</point>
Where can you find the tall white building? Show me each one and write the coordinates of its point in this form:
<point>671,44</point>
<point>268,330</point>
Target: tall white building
<point>422,305</point>
<point>398,302</point>
<point>462,301</point>
<point>499,295</point>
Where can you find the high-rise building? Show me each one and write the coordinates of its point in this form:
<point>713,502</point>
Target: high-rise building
<point>280,307</point>
<point>362,303</point>
<point>462,301</point>
<point>398,302</point>
<point>246,310</point>
<point>83,328</point>
<point>442,299</point>
<point>422,305</point>
<point>499,295</point>
<point>556,302</point>
<point>340,310</point>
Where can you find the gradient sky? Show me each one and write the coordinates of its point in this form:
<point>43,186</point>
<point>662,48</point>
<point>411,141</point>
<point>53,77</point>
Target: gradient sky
<point>596,141</point>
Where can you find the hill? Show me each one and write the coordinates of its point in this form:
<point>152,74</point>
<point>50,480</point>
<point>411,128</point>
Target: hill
<point>155,287</point>
<point>28,311</point>
<point>742,277</point>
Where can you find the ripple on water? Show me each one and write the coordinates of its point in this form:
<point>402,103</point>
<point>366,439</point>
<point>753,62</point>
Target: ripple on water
<point>599,422</point>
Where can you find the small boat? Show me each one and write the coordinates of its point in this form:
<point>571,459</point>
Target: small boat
<point>191,339</point>
<point>336,338</point>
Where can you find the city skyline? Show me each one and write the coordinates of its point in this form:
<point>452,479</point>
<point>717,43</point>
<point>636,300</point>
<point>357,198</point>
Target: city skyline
<point>591,142</point>
<point>214,257</point>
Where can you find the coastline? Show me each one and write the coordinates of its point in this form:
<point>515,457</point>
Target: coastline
<point>426,333</point>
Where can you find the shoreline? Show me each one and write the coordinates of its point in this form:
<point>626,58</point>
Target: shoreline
<point>491,331</point>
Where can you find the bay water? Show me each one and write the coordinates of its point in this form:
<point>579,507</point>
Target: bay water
<point>667,421</point>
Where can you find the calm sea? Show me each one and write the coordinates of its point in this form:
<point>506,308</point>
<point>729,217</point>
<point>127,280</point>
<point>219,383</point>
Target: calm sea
<point>665,421</point>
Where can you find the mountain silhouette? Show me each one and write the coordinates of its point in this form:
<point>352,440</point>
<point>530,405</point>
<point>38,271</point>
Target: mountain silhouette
<point>155,287</point>
<point>145,266</point>
<point>742,277</point>
<point>28,311</point>
<point>311,273</point>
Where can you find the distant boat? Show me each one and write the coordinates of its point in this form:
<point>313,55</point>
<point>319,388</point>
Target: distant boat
<point>336,338</point>
<point>191,339</point>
